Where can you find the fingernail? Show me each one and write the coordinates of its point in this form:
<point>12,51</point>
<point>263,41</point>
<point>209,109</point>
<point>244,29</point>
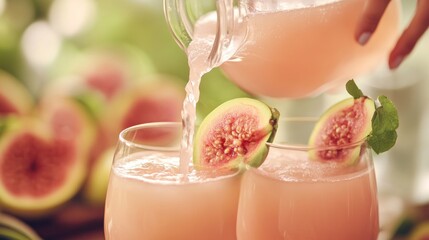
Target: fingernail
<point>398,60</point>
<point>364,37</point>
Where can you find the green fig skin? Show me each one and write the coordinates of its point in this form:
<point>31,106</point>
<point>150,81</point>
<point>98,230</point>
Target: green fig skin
<point>14,228</point>
<point>235,134</point>
<point>15,99</point>
<point>95,188</point>
<point>344,125</point>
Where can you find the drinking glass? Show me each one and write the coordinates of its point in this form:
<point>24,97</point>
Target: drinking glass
<point>281,48</point>
<point>150,198</point>
<point>292,197</point>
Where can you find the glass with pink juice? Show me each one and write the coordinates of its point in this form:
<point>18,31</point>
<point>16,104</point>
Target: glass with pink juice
<point>292,197</point>
<point>150,197</point>
<point>282,48</point>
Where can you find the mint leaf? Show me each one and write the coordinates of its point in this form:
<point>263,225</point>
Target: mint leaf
<point>391,119</point>
<point>377,122</point>
<point>383,141</point>
<point>353,89</point>
<point>385,121</point>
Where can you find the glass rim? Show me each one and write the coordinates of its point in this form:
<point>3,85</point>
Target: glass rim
<point>283,146</point>
<point>130,143</point>
<point>307,147</point>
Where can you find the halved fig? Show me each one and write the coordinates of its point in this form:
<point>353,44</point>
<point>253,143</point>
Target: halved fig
<point>38,173</point>
<point>69,122</point>
<point>342,125</point>
<point>159,100</point>
<point>236,132</point>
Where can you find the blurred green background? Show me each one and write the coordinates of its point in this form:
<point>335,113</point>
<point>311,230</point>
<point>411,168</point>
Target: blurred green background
<point>53,33</point>
<point>51,45</point>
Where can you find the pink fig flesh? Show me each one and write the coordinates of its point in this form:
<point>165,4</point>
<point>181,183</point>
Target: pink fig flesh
<point>38,172</point>
<point>34,167</point>
<point>108,80</point>
<point>340,128</point>
<point>236,132</point>
<point>6,107</point>
<point>145,110</point>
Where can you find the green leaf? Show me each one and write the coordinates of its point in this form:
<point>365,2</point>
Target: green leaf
<point>353,89</point>
<point>380,121</point>
<point>384,124</point>
<point>390,118</point>
<point>382,142</point>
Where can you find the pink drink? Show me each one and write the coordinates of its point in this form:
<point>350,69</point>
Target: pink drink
<point>303,50</point>
<point>291,197</point>
<point>147,199</point>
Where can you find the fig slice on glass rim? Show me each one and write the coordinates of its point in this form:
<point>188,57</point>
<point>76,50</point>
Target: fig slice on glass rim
<point>235,133</point>
<point>345,124</point>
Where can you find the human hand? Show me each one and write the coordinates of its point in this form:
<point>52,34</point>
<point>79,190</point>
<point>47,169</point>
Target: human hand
<point>371,16</point>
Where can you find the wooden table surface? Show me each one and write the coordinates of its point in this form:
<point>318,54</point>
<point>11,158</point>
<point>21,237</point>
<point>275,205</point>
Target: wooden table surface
<point>75,221</point>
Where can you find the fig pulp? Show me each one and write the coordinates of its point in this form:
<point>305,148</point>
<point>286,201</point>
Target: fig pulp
<point>69,122</point>
<point>38,172</point>
<point>345,123</point>
<point>236,132</point>
<point>159,100</point>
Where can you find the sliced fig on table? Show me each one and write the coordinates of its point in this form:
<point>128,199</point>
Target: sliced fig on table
<point>38,172</point>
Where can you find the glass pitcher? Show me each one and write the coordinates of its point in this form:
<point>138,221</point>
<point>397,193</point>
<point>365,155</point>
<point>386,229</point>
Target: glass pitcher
<point>282,48</point>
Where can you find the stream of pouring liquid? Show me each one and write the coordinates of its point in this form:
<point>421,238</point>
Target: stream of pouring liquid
<point>198,59</point>
<point>198,53</point>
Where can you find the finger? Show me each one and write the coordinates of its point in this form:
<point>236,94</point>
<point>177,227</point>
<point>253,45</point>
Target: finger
<point>371,16</point>
<point>411,34</point>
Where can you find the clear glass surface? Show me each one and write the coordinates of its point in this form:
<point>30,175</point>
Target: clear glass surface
<point>149,198</point>
<point>289,196</point>
<point>293,196</point>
